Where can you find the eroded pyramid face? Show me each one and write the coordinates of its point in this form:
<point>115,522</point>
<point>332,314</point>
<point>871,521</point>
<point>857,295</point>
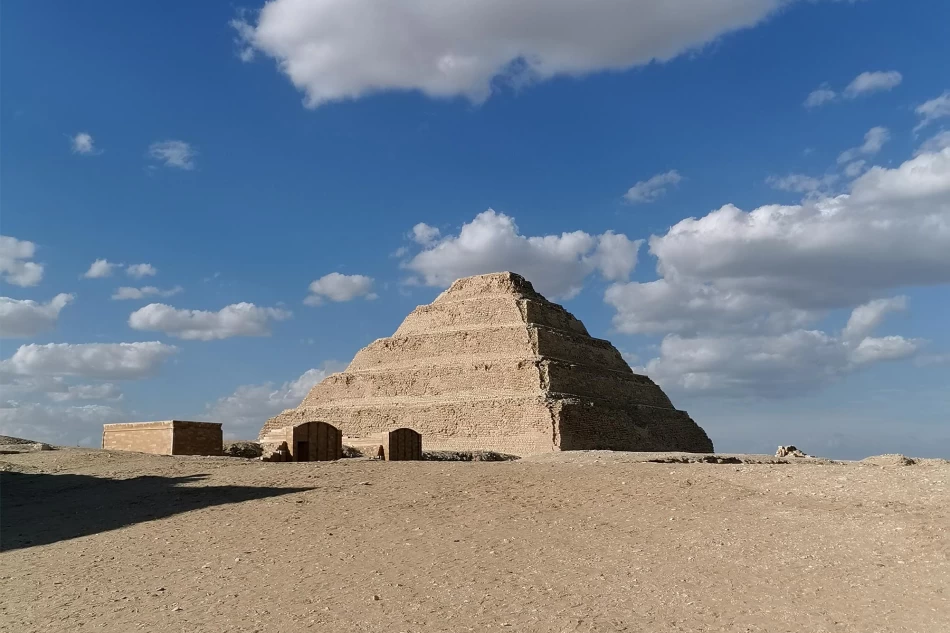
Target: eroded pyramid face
<point>493,365</point>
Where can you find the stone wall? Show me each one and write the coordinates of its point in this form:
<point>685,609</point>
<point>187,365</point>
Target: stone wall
<point>142,437</point>
<point>196,438</point>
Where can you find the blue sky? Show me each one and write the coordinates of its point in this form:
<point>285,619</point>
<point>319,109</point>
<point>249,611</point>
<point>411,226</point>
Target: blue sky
<point>245,154</point>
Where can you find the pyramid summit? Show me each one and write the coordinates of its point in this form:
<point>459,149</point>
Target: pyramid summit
<point>493,365</point>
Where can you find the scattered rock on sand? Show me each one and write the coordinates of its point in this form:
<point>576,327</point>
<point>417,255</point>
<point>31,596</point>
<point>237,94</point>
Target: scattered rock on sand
<point>351,451</point>
<point>249,450</point>
<point>19,445</point>
<point>467,456</point>
<point>890,459</point>
<point>275,452</point>
<point>7,440</point>
<point>790,451</point>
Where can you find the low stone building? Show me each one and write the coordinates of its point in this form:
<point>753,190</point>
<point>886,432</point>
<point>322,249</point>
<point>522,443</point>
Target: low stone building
<point>169,437</point>
<point>493,365</point>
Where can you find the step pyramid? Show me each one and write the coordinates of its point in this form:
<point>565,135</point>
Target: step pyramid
<point>493,365</point>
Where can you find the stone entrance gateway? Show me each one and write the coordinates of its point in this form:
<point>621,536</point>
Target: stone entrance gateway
<point>316,442</point>
<point>308,442</point>
<point>403,445</point>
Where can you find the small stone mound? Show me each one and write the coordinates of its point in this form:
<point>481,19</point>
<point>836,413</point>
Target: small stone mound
<point>467,456</point>
<point>10,445</point>
<point>890,459</point>
<point>275,452</point>
<point>247,450</point>
<point>698,458</point>
<point>7,440</point>
<point>790,451</point>
<point>351,452</point>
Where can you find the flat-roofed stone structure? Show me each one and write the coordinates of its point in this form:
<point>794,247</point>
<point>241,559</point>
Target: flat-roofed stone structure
<point>169,437</point>
<point>493,365</point>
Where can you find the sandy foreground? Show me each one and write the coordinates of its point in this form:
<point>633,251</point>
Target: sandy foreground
<point>106,541</point>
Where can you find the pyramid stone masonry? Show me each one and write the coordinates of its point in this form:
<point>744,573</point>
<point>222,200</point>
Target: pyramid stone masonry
<point>493,365</point>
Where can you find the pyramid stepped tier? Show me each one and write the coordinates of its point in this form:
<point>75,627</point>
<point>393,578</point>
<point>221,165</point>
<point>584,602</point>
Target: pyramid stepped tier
<point>484,378</point>
<point>493,365</point>
<point>473,312</point>
<point>492,342</point>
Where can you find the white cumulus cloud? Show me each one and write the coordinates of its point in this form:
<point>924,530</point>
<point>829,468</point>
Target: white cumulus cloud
<point>172,153</point>
<point>107,361</point>
<point>891,229</point>
<point>15,265</point>
<point>99,269</point>
<point>768,365</point>
<point>333,50</point>
<point>557,265</point>
<point>22,317</point>
<point>339,287</point>
<point>738,291</point>
<point>83,143</point>
<point>424,234</point>
<point>239,319</point>
<point>653,188</point>
<point>866,318</point>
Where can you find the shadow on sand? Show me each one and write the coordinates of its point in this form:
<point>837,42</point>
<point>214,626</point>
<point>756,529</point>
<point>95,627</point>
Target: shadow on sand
<point>38,509</point>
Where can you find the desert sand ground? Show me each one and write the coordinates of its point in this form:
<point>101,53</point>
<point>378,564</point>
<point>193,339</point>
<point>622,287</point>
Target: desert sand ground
<point>106,541</point>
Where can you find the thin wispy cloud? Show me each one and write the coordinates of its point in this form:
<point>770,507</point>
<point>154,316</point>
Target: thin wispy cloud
<point>866,83</point>
<point>127,292</point>
<point>173,153</point>
<point>102,268</point>
<point>932,110</point>
<point>652,189</point>
<point>874,140</point>
<point>820,96</point>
